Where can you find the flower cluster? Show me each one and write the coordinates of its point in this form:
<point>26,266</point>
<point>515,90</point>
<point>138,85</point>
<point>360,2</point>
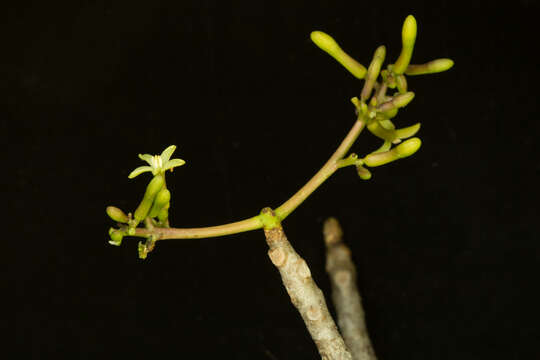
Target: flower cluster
<point>154,207</point>
<point>378,110</point>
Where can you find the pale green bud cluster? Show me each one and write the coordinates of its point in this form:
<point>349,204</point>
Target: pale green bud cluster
<point>374,105</point>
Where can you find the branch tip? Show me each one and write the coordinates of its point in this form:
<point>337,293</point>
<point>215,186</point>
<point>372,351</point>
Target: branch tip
<point>345,294</point>
<point>332,231</point>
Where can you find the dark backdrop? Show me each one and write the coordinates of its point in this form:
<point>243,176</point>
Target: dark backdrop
<point>445,242</point>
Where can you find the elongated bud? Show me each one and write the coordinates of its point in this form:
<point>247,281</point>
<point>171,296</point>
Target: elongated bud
<point>364,173</point>
<point>401,83</point>
<point>152,189</point>
<point>408,131</point>
<point>373,72</point>
<point>408,37</point>
<point>396,102</point>
<point>163,214</point>
<point>328,44</point>
<point>117,215</point>
<point>431,67</point>
<point>408,147</point>
<point>387,123</point>
<point>382,133</point>
<point>390,114</point>
<point>325,42</point>
<point>162,199</point>
<point>116,237</point>
<point>380,158</point>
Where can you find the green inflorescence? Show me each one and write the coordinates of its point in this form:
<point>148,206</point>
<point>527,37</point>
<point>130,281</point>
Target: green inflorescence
<point>153,208</point>
<point>375,109</point>
<point>381,108</point>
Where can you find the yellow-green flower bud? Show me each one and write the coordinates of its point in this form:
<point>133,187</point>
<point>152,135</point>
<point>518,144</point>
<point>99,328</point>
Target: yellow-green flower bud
<point>381,132</point>
<point>116,237</point>
<point>155,185</point>
<point>380,158</point>
<point>117,215</point>
<point>408,147</point>
<point>328,44</point>
<point>163,214</point>
<point>408,131</point>
<point>162,199</point>
<point>396,102</point>
<point>373,72</point>
<point>390,114</point>
<point>431,67</point>
<point>386,123</point>
<point>364,173</point>
<point>401,83</point>
<point>408,37</point>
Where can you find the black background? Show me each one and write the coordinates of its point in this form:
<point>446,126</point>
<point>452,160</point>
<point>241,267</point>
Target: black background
<point>446,242</point>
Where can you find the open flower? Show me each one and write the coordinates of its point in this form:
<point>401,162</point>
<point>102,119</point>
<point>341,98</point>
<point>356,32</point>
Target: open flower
<point>158,163</point>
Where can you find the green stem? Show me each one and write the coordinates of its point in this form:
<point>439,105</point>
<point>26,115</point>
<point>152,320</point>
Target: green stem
<point>253,223</point>
<point>324,173</point>
<point>281,212</point>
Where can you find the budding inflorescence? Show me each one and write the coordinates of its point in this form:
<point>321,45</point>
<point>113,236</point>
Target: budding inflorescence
<point>153,208</point>
<point>378,110</point>
<point>375,107</point>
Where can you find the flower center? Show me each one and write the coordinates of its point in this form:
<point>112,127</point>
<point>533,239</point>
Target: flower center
<point>157,162</point>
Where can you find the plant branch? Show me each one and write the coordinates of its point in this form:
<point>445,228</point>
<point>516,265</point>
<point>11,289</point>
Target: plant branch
<point>345,294</point>
<point>324,173</point>
<point>203,232</point>
<point>305,294</point>
<point>282,211</point>
<point>375,114</point>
